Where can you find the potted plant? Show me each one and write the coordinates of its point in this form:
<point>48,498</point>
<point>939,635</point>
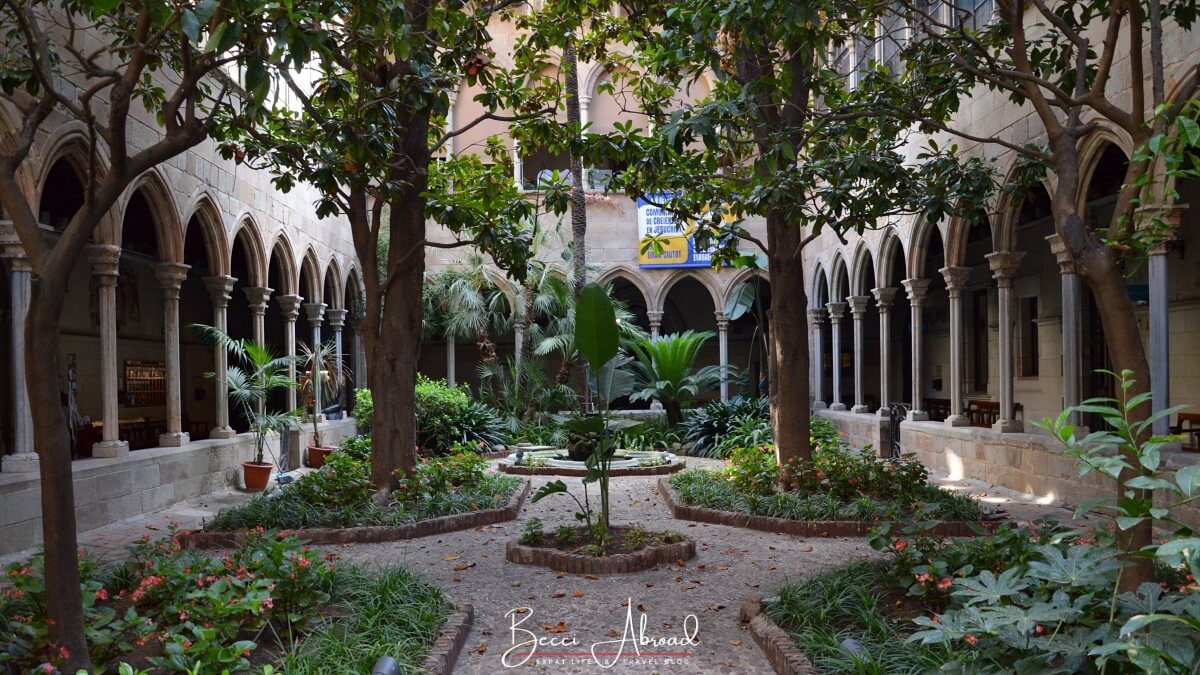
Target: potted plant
<point>323,377</point>
<point>255,374</point>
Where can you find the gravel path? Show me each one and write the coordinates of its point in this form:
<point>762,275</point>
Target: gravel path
<point>731,564</point>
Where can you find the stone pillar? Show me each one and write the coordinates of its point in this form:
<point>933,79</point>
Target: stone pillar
<point>1072,346</point>
<point>451,360</point>
<point>656,318</point>
<point>585,102</point>
<point>289,307</point>
<point>836,311</point>
<point>883,300</point>
<point>1160,321</point>
<point>258,297</point>
<point>105,261</point>
<point>916,289</point>
<point>171,277</point>
<point>1004,267</point>
<point>518,341</point>
<point>723,348</point>
<point>220,289</point>
<point>816,318</point>
<point>315,311</point>
<point>858,310</point>
<point>956,280</point>
<point>24,458</point>
<point>337,320</point>
<point>518,171</point>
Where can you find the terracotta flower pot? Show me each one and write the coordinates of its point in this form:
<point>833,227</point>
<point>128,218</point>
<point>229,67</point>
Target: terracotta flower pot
<point>256,475</point>
<point>317,455</point>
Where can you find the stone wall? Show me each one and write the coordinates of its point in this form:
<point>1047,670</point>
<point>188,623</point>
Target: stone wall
<point>108,491</point>
<point>861,429</point>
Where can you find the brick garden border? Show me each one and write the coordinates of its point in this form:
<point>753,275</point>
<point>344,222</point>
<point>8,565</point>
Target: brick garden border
<point>443,654</point>
<point>578,563</point>
<point>660,470</point>
<point>372,534</point>
<point>800,528</point>
<point>776,644</point>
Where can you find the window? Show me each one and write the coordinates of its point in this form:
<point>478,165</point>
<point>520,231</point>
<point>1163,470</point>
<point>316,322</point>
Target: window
<point>973,14</point>
<point>979,340</point>
<point>841,59</point>
<point>892,33</point>
<point>864,54</point>
<point>1028,317</point>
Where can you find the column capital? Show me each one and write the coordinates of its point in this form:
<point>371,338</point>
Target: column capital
<point>220,288</point>
<point>655,317</point>
<point>1168,214</point>
<point>1066,262</point>
<point>858,305</point>
<point>916,289</point>
<point>315,311</point>
<point>884,297</point>
<point>956,278</point>
<point>106,261</point>
<point>289,305</point>
<point>337,318</point>
<point>1005,265</point>
<point>836,311</point>
<point>816,314</point>
<point>258,297</point>
<point>11,249</point>
<point>171,275</point>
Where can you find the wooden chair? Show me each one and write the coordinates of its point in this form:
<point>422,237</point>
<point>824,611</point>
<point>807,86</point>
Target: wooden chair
<point>1188,424</point>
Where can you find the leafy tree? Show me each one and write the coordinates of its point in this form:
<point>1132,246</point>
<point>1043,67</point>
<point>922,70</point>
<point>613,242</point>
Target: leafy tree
<point>664,369</point>
<point>1058,60</point>
<point>370,123</point>
<point>469,306</point>
<point>779,138</point>
<point>102,65</point>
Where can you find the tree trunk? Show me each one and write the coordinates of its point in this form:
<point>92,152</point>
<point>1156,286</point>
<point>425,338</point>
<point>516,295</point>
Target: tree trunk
<point>674,414</point>
<point>578,205</point>
<point>789,364</point>
<point>64,603</point>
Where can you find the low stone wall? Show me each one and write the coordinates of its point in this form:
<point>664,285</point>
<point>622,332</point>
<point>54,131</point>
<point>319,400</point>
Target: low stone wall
<point>776,644</point>
<point>1035,464</point>
<point>660,470</point>
<point>108,491</point>
<point>861,429</point>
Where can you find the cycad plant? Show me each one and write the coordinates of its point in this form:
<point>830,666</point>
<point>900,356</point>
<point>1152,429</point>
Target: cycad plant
<point>325,375</point>
<point>252,376</point>
<point>665,371</point>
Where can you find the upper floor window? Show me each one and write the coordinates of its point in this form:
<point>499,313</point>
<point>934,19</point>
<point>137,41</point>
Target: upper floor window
<point>841,59</point>
<point>973,14</point>
<point>893,31</point>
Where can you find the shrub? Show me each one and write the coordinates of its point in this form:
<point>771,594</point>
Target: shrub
<point>533,533</point>
<point>439,409</point>
<point>566,535</point>
<point>357,447</point>
<point>753,470</point>
<point>479,422</point>
<point>343,483</point>
<point>364,408</point>
<point>747,431</point>
<point>705,427</point>
<point>635,538</point>
<point>464,470</point>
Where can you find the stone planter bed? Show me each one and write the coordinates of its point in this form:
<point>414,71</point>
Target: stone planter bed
<point>443,654</point>
<point>373,534</point>
<point>580,563</point>
<point>660,470</point>
<point>776,644</point>
<point>800,528</point>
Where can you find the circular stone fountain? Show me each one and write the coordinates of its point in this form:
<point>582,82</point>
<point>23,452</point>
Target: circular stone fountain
<point>544,460</point>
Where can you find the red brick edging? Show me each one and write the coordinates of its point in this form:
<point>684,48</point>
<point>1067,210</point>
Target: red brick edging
<point>800,528</point>
<point>776,644</point>
<point>578,563</point>
<point>375,533</point>
<point>660,470</point>
<point>444,653</point>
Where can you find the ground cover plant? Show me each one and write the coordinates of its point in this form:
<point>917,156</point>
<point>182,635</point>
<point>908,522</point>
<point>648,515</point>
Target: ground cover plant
<point>708,428</point>
<point>839,484</point>
<point>341,494</point>
<point>266,603</point>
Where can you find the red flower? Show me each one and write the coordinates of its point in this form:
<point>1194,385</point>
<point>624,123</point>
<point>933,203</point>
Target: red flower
<point>900,545</point>
<point>971,639</point>
<point>64,652</point>
<point>945,583</point>
<point>102,595</point>
<point>1039,629</point>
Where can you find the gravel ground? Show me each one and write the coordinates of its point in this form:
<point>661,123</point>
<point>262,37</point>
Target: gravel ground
<point>731,565</point>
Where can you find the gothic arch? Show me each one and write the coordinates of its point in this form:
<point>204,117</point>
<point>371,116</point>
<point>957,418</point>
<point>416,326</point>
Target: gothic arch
<point>919,245</point>
<point>333,276</point>
<point>678,275</point>
<point>742,275</point>
<point>281,250</point>
<point>167,228</point>
<point>310,268</point>
<point>248,233</point>
<point>837,273</point>
<point>626,272</point>
<point>888,247</point>
<point>204,211</point>
<point>1091,150</point>
<point>860,264</point>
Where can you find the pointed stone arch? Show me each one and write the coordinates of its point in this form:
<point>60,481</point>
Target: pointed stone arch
<point>207,216</point>
<point>282,252</point>
<point>705,280</point>
<point>889,246</point>
<point>249,235</point>
<point>861,264</point>
<point>167,229</point>
<point>332,284</point>
<point>310,269</point>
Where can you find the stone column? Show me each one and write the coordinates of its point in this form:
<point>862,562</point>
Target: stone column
<point>916,289</point>
<point>723,348</point>
<point>518,178</point>
<point>220,288</point>
<point>836,311</point>
<point>1004,267</point>
<point>1072,348</point>
<point>883,300</point>
<point>1160,321</point>
<point>451,360</point>
<point>24,458</point>
<point>655,318</point>
<point>258,297</point>
<point>956,280</point>
<point>816,318</point>
<point>171,277</point>
<point>337,320</point>
<point>315,311</point>
<point>585,102</point>
<point>858,310</point>
<point>289,307</point>
<point>105,261</point>
<point>518,341</point>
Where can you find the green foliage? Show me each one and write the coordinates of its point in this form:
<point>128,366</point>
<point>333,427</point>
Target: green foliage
<point>387,612</point>
<point>463,471</point>
<point>439,408</point>
<point>364,408</point>
<point>324,374</point>
<point>665,372</point>
<point>343,484</point>
<point>596,334</point>
<point>357,447</point>
<point>706,428</point>
<point>533,534</point>
<point>566,535</point>
<point>753,471</point>
<point>523,396</point>
<point>557,487</point>
<point>821,612</point>
<point>747,431</point>
<point>636,538</point>
<point>480,423</point>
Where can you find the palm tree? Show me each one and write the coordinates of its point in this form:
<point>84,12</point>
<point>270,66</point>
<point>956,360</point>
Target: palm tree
<point>254,375</point>
<point>664,371</point>
<point>324,378</point>
<point>467,305</point>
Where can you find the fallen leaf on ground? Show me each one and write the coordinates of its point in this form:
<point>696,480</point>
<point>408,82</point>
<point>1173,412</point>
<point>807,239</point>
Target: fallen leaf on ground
<point>480,648</point>
<point>559,627</point>
<point>463,566</point>
<point>577,594</point>
<point>612,632</point>
<point>641,607</point>
<point>591,577</point>
<point>752,584</point>
<point>451,556</point>
<point>715,607</point>
<point>735,643</point>
<point>559,594</point>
